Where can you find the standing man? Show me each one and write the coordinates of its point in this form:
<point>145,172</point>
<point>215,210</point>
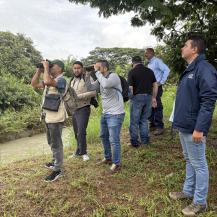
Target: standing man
<point>53,83</point>
<point>161,72</point>
<point>81,115</point>
<point>195,102</point>
<point>113,114</point>
<point>143,89</point>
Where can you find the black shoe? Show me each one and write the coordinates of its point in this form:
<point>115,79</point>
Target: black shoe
<point>158,132</point>
<point>53,176</point>
<point>49,165</point>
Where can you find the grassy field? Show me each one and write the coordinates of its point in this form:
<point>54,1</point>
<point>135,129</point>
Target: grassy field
<point>86,190</point>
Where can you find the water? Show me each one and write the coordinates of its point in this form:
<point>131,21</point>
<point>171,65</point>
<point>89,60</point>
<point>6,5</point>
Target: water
<point>28,147</point>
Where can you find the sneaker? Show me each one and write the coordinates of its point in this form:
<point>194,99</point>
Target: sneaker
<point>73,156</point>
<point>115,168</point>
<point>193,209</point>
<point>178,195</point>
<point>158,132</point>
<point>53,176</point>
<point>104,161</point>
<point>49,165</point>
<point>85,157</point>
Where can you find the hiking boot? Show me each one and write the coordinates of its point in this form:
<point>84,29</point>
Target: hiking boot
<point>53,176</point>
<point>49,165</point>
<point>85,157</point>
<point>104,161</point>
<point>178,195</point>
<point>193,209</point>
<point>115,168</point>
<point>158,132</point>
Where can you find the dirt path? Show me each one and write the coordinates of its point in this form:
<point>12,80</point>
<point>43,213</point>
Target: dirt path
<point>28,147</point>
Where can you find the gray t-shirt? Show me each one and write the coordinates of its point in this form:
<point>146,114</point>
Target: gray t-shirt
<point>110,90</point>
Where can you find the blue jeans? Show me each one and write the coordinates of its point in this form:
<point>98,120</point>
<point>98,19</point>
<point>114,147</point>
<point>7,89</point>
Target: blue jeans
<point>110,135</point>
<point>197,173</point>
<point>140,109</point>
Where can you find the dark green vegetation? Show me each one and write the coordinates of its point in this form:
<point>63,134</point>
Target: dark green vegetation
<point>19,103</point>
<point>171,20</point>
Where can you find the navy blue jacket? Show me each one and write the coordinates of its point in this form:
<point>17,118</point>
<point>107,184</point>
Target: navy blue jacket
<point>196,96</point>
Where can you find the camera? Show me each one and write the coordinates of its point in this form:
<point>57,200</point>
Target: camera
<point>40,65</point>
<point>89,68</point>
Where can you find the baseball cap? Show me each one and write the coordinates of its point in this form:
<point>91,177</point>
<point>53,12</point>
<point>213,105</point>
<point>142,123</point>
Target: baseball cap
<point>59,63</point>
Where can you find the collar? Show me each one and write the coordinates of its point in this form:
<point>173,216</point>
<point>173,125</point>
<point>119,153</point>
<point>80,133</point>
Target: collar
<point>152,59</point>
<point>193,65</point>
<point>199,58</point>
<point>59,76</point>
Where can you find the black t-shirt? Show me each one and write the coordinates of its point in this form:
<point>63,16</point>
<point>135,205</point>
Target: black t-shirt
<point>142,79</point>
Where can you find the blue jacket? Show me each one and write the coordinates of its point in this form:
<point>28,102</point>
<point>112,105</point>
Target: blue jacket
<point>196,96</point>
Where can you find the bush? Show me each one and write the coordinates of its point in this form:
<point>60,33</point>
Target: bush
<point>13,122</point>
<point>15,94</point>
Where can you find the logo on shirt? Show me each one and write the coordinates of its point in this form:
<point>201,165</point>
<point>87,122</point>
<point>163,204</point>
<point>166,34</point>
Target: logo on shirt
<point>190,76</point>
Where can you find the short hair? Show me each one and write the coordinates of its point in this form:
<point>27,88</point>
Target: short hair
<point>78,63</point>
<point>104,63</point>
<point>136,59</point>
<point>150,49</point>
<point>198,42</point>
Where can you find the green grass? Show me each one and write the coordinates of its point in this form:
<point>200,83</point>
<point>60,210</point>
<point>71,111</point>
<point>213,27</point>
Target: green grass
<point>140,189</point>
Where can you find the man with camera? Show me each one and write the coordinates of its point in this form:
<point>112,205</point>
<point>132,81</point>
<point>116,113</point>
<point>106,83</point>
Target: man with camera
<point>81,115</point>
<point>113,114</point>
<point>54,85</point>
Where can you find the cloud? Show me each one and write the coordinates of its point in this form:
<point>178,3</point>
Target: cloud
<point>59,28</point>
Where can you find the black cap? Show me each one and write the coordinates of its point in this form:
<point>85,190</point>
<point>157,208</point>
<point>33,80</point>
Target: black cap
<point>136,59</point>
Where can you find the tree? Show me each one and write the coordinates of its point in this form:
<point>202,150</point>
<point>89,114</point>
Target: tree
<point>18,56</point>
<point>68,66</point>
<point>172,20</point>
<point>116,56</point>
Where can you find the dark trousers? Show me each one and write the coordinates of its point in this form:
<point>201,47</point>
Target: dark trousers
<point>54,138</point>
<point>80,120</point>
<point>156,118</point>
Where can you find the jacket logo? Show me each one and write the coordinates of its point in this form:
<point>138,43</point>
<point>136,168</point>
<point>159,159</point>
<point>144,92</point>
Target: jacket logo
<point>190,76</point>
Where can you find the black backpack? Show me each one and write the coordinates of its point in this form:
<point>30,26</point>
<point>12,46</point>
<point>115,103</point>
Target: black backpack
<point>125,88</point>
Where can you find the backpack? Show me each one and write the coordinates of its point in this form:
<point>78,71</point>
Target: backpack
<point>125,88</point>
<point>70,99</point>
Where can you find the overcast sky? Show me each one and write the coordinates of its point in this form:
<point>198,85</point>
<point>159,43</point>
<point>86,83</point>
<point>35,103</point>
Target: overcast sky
<point>59,28</point>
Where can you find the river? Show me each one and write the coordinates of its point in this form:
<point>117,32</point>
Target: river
<point>28,147</point>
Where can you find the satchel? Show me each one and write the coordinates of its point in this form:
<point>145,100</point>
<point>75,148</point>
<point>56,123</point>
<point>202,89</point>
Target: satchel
<point>70,100</point>
<point>51,102</point>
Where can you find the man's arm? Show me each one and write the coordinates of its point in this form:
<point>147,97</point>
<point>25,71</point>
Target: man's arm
<point>165,71</point>
<point>207,82</point>
<point>48,81</point>
<point>154,94</point>
<point>91,86</point>
<point>111,81</point>
<point>87,95</point>
<point>36,79</point>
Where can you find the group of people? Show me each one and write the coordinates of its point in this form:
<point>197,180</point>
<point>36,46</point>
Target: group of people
<point>192,112</point>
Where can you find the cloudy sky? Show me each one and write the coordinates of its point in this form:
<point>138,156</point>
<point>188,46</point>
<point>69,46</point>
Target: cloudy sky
<point>59,28</point>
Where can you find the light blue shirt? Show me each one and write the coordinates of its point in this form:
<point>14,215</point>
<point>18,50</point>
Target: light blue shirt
<point>160,69</point>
